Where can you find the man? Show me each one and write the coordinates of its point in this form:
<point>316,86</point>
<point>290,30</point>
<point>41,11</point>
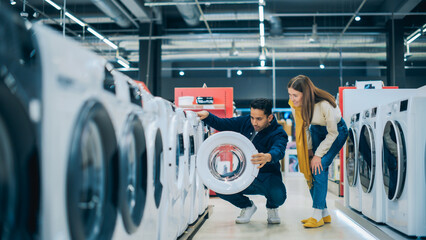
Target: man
<point>270,141</point>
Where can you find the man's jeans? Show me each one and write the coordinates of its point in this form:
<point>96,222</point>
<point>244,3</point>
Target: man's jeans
<point>320,181</point>
<point>272,187</point>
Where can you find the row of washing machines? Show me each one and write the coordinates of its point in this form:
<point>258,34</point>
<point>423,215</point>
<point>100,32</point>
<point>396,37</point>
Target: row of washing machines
<point>385,173</point>
<point>84,152</point>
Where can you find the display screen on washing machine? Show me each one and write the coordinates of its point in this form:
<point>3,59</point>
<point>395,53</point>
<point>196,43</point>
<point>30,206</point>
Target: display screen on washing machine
<point>227,162</point>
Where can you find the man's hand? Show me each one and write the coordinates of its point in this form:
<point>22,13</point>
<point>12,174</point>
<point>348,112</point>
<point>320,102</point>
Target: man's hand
<point>316,166</point>
<point>261,159</point>
<point>202,114</point>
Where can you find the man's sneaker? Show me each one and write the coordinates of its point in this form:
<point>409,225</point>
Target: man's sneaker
<point>246,214</point>
<point>273,217</point>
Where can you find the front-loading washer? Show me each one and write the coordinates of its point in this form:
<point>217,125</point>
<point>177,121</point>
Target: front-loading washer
<point>191,138</point>
<point>20,118</point>
<point>403,153</point>
<point>352,182</point>
<point>223,162</point>
<point>79,146</point>
<point>370,170</point>
<point>202,190</point>
<point>133,158</point>
<point>155,220</point>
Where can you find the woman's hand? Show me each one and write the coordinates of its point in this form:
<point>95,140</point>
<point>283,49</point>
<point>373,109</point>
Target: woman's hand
<point>261,159</point>
<point>316,166</point>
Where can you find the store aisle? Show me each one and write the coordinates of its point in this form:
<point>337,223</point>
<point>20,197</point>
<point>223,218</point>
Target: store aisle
<point>221,224</point>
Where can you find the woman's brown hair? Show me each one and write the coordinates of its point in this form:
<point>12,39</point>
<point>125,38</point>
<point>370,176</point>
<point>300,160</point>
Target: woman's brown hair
<point>311,95</point>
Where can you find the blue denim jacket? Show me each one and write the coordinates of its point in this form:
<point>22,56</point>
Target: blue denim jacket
<point>272,140</point>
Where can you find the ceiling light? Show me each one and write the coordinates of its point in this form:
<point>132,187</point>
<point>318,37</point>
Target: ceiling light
<point>262,63</point>
<point>322,66</point>
<point>98,35</point>
<point>75,19</point>
<point>261,13</point>
<point>413,38</point>
<point>123,62</point>
<point>239,72</point>
<point>12,2</point>
<point>54,5</point>
<point>181,73</point>
<point>110,43</point>
<point>357,18</point>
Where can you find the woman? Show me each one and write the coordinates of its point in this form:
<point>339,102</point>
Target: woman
<point>320,134</point>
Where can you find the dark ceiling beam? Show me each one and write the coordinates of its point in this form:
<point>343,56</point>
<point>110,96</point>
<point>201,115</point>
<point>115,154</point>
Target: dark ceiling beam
<point>399,6</point>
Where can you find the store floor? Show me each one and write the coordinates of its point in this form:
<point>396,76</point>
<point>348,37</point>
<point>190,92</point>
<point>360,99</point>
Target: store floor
<point>221,224</point>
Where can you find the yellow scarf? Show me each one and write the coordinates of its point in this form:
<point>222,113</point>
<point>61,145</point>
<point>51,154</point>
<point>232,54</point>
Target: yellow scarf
<point>302,145</point>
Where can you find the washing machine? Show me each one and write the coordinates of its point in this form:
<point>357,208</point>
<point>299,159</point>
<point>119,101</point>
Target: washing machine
<point>20,117</point>
<point>127,116</point>
<point>191,138</point>
<point>370,170</point>
<point>403,153</point>
<point>224,162</point>
<point>79,146</point>
<point>202,190</point>
<point>352,182</point>
<point>155,219</point>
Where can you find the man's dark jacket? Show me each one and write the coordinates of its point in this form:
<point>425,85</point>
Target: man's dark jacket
<point>272,140</point>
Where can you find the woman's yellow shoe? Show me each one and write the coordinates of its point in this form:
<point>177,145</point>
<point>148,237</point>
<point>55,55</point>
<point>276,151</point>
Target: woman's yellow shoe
<point>313,223</point>
<point>325,219</point>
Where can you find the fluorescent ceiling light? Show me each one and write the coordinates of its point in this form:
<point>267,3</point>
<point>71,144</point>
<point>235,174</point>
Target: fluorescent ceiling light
<point>413,38</point>
<point>262,41</point>
<point>262,63</point>
<point>124,64</point>
<point>110,43</point>
<point>262,29</point>
<point>98,35</point>
<point>261,15</point>
<point>54,5</point>
<point>75,19</point>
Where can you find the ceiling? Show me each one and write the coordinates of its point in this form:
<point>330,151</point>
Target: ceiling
<point>228,30</point>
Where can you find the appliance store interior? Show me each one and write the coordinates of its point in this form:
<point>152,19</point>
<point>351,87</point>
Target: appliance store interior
<point>212,119</point>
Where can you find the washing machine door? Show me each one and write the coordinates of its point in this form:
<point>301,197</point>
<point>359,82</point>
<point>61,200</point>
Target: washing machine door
<point>224,162</point>
<point>351,161</point>
<point>367,158</point>
<point>91,176</point>
<point>133,173</point>
<point>394,161</point>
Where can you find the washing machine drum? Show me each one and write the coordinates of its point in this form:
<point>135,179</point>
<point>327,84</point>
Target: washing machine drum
<point>224,162</point>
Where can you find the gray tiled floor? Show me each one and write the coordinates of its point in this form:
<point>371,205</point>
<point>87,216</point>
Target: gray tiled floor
<point>221,223</point>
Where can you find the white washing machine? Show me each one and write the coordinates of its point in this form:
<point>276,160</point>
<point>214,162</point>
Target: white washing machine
<point>203,193</point>
<point>133,159</point>
<point>352,182</point>
<point>223,162</point>
<point>403,152</point>
<point>79,146</point>
<point>20,116</point>
<point>155,220</point>
<point>191,137</point>
<point>370,171</point>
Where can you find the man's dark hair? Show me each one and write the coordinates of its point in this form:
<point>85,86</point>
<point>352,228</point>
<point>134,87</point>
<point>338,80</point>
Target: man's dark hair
<point>262,104</point>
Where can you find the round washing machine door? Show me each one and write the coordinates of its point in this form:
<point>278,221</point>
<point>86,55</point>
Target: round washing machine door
<point>224,162</point>
<point>351,161</point>
<point>91,176</point>
<point>133,173</point>
<point>367,158</point>
<point>158,164</point>
<point>394,161</point>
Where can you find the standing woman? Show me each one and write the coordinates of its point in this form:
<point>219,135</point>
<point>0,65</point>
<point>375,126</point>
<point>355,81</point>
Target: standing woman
<point>320,134</point>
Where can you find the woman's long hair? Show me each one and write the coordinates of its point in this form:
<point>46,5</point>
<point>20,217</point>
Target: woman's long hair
<point>311,95</point>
